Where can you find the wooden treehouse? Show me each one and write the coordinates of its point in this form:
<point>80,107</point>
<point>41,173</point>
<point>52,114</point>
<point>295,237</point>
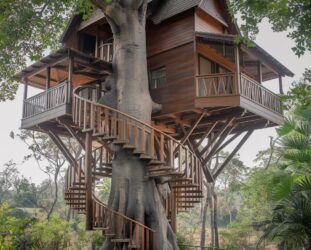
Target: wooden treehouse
<point>211,94</point>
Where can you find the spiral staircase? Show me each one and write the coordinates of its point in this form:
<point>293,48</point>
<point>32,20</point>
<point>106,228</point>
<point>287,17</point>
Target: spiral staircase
<point>164,156</point>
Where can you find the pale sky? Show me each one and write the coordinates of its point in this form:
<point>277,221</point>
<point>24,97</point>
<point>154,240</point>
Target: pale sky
<point>277,44</point>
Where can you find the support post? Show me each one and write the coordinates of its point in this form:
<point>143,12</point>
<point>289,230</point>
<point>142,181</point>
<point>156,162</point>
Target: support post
<point>70,78</point>
<point>281,84</point>
<point>47,85</point>
<point>237,63</point>
<point>259,72</point>
<point>88,181</point>
<point>232,154</point>
<point>25,97</point>
<point>173,211</point>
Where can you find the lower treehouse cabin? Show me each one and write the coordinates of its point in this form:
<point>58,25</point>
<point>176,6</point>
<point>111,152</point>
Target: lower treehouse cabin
<point>210,88</point>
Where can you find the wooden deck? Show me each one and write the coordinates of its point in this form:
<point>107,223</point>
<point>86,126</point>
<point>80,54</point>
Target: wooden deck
<point>229,89</point>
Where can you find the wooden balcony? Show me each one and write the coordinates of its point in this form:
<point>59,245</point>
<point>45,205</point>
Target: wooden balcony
<point>229,89</point>
<point>48,105</point>
<point>57,74</point>
<point>106,52</point>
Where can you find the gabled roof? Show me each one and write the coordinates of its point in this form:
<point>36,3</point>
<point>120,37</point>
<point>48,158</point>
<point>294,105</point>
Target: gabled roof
<point>172,8</point>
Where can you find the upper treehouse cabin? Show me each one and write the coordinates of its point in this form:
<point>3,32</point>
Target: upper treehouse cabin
<point>197,72</point>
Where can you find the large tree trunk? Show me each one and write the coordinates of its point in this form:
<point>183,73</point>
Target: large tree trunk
<point>131,194</point>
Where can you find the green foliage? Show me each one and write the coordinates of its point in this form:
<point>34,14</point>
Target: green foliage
<point>293,16</point>
<point>27,30</point>
<point>235,236</point>
<point>53,234</point>
<point>13,224</point>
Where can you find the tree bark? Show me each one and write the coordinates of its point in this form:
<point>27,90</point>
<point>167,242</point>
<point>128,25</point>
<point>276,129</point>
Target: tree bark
<point>131,194</point>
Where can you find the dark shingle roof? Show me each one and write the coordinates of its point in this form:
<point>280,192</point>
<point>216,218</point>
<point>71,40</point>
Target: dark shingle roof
<point>171,8</point>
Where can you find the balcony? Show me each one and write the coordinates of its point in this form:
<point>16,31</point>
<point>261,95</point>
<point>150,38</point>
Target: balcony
<point>106,52</point>
<point>230,89</point>
<point>57,74</point>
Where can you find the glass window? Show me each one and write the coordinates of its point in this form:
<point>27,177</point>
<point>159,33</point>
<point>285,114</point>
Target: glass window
<point>157,78</point>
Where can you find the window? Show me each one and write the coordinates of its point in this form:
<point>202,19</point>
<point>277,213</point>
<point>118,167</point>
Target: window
<point>88,44</point>
<point>157,78</point>
<point>208,67</point>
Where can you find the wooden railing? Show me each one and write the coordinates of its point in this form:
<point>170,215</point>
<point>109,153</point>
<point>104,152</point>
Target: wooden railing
<point>226,85</point>
<point>46,100</point>
<point>216,85</point>
<point>149,142</point>
<point>179,163</point>
<point>117,226</point>
<point>255,92</point>
<point>106,51</point>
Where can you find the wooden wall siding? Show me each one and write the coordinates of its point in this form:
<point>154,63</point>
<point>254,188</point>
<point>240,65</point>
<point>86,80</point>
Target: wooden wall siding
<point>170,34</point>
<point>179,91</point>
<point>206,23</point>
<point>73,40</point>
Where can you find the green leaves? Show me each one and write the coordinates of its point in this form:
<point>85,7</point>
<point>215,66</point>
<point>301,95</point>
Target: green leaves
<point>293,16</point>
<point>27,30</point>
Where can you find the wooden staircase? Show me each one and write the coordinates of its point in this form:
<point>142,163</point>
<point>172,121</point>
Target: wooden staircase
<point>137,237</point>
<point>164,156</point>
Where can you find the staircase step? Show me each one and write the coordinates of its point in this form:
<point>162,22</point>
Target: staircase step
<point>101,228</point>
<point>145,157</point>
<point>185,185</point>
<point>156,163</point>
<point>138,152</point>
<point>78,183</point>
<point>119,142</point>
<point>110,234</point>
<point>156,169</point>
<point>75,203</point>
<point>102,174</point>
<point>120,240</point>
<point>128,146</point>
<point>87,130</point>
<point>133,246</point>
<point>77,188</point>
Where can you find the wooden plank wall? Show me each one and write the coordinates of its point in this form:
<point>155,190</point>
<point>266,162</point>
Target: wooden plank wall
<point>205,23</point>
<point>179,91</point>
<point>170,34</point>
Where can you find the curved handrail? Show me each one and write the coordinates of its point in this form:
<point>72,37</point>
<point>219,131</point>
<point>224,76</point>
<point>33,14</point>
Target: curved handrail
<point>73,179</point>
<point>122,113</point>
<point>144,125</point>
<point>178,161</point>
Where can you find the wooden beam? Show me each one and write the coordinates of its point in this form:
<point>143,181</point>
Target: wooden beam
<point>232,154</point>
<point>237,63</point>
<point>47,85</point>
<point>221,138</point>
<point>208,132</point>
<point>72,132</point>
<point>217,136</point>
<point>178,120</point>
<point>70,78</point>
<point>259,72</point>
<point>227,142</point>
<point>59,143</point>
<point>281,85</point>
<point>88,181</point>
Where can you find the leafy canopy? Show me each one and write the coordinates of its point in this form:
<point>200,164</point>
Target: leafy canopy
<point>293,16</point>
<point>27,30</point>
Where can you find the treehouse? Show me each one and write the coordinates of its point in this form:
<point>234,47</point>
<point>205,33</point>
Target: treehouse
<point>210,88</point>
